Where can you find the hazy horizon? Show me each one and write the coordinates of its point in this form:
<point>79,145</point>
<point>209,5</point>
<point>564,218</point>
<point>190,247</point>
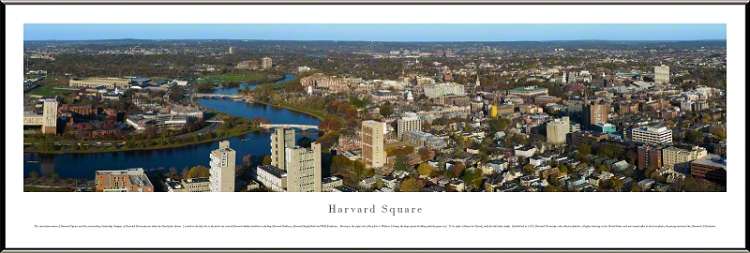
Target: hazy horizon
<point>378,32</point>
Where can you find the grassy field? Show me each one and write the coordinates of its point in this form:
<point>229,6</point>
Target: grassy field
<point>48,90</point>
<point>234,77</point>
<point>47,87</point>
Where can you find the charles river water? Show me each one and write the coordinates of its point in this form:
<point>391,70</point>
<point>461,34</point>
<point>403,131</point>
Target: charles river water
<point>83,166</point>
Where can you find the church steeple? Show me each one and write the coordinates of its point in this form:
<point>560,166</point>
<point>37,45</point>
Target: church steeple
<point>477,82</point>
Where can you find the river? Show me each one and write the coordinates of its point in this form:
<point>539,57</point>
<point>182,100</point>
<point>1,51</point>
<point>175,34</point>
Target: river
<point>83,166</point>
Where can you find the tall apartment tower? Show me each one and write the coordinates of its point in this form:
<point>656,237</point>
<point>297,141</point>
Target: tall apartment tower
<point>595,114</point>
<point>303,168</point>
<point>49,114</point>
<point>557,130</point>
<point>222,164</point>
<point>409,122</point>
<point>649,157</point>
<point>373,138</point>
<point>661,74</point>
<point>266,63</point>
<point>280,140</point>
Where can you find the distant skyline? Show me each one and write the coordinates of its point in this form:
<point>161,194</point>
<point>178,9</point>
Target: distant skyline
<point>378,32</point>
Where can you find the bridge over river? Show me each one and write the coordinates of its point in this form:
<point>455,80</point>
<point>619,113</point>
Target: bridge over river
<point>298,126</point>
<point>216,95</point>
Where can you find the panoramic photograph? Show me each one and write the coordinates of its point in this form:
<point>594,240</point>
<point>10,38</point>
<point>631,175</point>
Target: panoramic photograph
<point>375,108</point>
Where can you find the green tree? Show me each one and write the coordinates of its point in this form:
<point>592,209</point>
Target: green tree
<point>563,169</point>
<point>460,146</point>
<point>359,103</point>
<point>719,132</point>
<point>266,160</point>
<point>410,184</point>
<point>601,168</point>
<point>386,109</point>
<point>552,188</point>
<point>584,149</point>
<point>499,124</point>
<point>197,171</point>
<point>473,178</point>
<point>617,184</point>
<point>694,137</point>
<point>529,169</point>
<point>401,164</point>
<point>425,169</point>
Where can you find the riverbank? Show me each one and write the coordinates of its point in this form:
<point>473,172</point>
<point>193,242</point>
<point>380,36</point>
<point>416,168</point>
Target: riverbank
<point>152,148</point>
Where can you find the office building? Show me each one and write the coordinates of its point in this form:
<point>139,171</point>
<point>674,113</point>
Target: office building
<point>651,135</point>
<point>409,122</point>
<point>222,168</point>
<point>649,157</point>
<point>373,138</point>
<point>422,139</point>
<point>713,168</point>
<point>528,92</point>
<point>271,177</point>
<point>330,183</point>
<point>303,168</point>
<point>595,113</point>
<point>675,158</point>
<point>444,89</point>
<point>106,82</point>
<point>331,83</point>
<point>557,130</point>
<point>266,63</point>
<point>661,74</point>
<point>198,184</point>
<point>49,116</point>
<point>129,180</point>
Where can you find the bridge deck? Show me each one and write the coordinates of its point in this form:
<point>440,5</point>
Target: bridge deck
<point>300,126</point>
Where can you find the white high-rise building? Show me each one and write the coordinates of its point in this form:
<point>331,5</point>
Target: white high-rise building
<point>281,139</point>
<point>266,63</point>
<point>373,143</point>
<point>661,74</point>
<point>303,168</point>
<point>409,122</point>
<point>557,130</point>
<point>49,115</point>
<point>652,135</point>
<point>222,164</point>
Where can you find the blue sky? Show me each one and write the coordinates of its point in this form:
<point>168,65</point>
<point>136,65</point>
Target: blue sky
<point>378,32</point>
